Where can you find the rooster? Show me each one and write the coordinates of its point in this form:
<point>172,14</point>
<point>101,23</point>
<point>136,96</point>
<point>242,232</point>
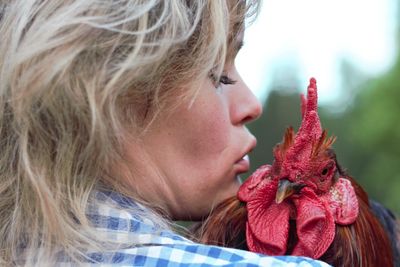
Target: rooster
<point>304,204</point>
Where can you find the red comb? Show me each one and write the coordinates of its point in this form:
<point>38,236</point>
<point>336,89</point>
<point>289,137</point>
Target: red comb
<point>310,129</point>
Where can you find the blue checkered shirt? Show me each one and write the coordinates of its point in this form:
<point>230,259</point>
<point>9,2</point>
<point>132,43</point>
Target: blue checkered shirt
<point>154,246</point>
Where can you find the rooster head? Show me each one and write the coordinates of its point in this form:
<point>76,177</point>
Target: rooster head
<point>305,159</point>
<point>294,204</point>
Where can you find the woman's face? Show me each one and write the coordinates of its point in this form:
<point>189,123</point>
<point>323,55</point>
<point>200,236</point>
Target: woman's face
<point>200,149</point>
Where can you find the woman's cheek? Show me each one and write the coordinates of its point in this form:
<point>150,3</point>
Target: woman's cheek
<point>211,134</point>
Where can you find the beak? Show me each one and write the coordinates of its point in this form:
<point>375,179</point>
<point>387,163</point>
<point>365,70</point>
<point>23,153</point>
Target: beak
<point>286,189</point>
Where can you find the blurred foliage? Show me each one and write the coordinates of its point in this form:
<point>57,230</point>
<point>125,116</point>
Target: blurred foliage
<point>368,133</point>
<point>373,131</point>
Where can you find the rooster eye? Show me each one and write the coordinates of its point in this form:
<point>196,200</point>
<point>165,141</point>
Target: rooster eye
<point>325,171</point>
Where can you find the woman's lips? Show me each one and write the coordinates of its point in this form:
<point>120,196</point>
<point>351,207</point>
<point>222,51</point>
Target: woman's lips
<point>243,164</point>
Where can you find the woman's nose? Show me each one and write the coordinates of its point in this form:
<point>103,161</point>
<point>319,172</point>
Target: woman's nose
<point>246,107</point>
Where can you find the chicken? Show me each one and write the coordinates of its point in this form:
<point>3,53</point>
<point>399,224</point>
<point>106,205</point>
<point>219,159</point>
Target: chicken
<point>303,204</point>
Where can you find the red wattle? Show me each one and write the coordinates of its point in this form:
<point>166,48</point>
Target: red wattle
<point>343,202</point>
<point>268,222</point>
<point>315,225</point>
<point>247,189</point>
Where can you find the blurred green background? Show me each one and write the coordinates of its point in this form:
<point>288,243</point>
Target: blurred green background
<point>368,130</point>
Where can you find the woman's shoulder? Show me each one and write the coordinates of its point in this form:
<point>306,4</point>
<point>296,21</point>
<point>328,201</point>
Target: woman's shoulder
<point>144,241</point>
<point>195,255</point>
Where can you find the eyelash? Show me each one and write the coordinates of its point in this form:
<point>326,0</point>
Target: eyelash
<point>224,79</point>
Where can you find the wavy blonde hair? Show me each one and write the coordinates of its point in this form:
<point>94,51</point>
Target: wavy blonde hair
<point>73,74</point>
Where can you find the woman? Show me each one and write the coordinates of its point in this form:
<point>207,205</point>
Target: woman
<point>118,117</point>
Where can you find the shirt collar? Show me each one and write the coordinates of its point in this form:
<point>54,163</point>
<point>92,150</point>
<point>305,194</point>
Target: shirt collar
<point>122,219</point>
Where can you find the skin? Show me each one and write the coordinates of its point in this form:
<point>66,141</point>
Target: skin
<point>195,152</point>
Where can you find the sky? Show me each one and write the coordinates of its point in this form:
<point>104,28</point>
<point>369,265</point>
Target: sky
<point>310,38</point>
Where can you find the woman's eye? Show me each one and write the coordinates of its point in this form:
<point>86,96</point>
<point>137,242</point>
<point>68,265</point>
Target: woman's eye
<point>224,79</point>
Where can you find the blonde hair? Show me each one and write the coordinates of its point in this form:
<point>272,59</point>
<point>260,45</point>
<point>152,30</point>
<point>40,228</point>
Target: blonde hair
<point>72,75</point>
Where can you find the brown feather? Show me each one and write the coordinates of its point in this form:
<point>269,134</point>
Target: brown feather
<point>288,139</point>
<point>225,226</point>
<point>324,144</point>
